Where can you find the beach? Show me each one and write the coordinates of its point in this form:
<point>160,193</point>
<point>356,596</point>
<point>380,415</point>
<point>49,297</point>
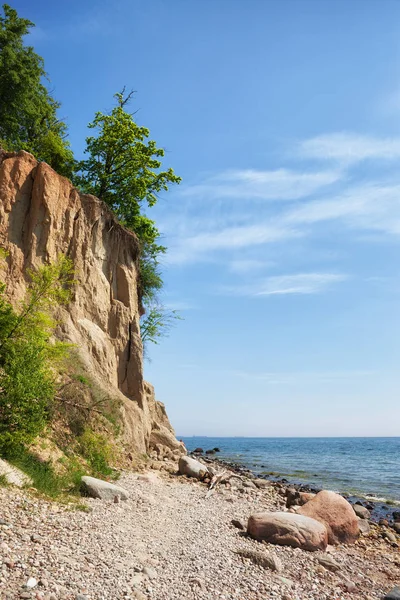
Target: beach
<point>172,540</point>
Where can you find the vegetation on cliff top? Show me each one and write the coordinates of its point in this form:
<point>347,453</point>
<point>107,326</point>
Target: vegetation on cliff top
<point>123,167</point>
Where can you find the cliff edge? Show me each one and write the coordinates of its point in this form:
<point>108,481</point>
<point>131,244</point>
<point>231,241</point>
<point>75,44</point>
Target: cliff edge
<point>42,215</point>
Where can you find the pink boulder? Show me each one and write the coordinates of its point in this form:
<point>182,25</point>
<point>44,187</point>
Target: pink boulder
<point>288,529</point>
<point>336,514</point>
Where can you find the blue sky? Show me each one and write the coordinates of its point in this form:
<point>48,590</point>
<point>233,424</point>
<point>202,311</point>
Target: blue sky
<point>283,119</point>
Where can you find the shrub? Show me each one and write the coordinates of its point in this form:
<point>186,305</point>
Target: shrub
<point>29,356</point>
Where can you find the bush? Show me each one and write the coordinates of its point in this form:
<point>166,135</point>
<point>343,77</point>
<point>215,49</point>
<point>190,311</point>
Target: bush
<point>28,355</point>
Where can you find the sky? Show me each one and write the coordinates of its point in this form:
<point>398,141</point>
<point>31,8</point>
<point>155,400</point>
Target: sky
<point>283,119</point>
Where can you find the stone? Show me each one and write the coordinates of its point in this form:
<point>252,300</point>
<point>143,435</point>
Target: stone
<point>192,467</point>
<point>305,497</point>
<point>361,511</point>
<point>198,451</point>
<point>388,535</point>
<point>31,583</point>
<point>37,538</point>
<point>239,524</point>
<point>396,527</point>
<point>263,559</point>
<point>103,490</point>
<point>396,515</point>
<point>394,594</point>
<point>364,526</point>
<point>81,597</point>
<point>150,572</point>
<point>247,483</point>
<point>13,475</point>
<point>288,529</point>
<point>349,586</point>
<point>210,451</point>
<point>336,514</point>
<point>328,562</point>
<point>262,484</point>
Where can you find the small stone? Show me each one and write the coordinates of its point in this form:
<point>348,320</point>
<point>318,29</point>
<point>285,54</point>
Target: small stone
<point>25,595</point>
<point>35,537</point>
<point>394,594</point>
<point>361,511</point>
<point>396,527</point>
<point>239,524</point>
<point>329,563</point>
<point>31,583</point>
<point>150,572</point>
<point>81,597</point>
<point>349,586</point>
<point>117,499</point>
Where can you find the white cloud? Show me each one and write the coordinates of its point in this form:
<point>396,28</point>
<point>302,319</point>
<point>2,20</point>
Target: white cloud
<point>281,184</point>
<point>250,265</point>
<point>300,283</point>
<point>349,148</point>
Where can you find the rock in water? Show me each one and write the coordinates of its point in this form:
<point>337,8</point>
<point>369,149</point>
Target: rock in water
<point>103,490</point>
<point>336,514</point>
<point>192,467</point>
<point>288,529</point>
<point>393,595</point>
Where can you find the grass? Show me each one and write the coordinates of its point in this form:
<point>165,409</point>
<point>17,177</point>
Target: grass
<point>3,481</point>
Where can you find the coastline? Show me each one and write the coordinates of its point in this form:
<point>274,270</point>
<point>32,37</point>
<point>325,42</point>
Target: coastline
<point>379,508</point>
<point>171,540</point>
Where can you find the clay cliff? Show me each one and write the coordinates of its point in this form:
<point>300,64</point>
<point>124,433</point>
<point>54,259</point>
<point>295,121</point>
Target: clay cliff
<point>41,216</point>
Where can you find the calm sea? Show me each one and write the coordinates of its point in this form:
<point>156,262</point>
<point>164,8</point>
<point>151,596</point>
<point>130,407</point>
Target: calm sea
<point>366,467</point>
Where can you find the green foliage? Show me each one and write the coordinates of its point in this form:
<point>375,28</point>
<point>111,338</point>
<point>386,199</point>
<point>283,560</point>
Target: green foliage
<point>123,168</point>
<point>28,113</point>
<point>28,355</point>
<point>156,324</point>
<point>97,451</point>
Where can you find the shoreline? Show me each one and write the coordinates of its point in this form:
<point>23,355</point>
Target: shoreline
<point>379,509</point>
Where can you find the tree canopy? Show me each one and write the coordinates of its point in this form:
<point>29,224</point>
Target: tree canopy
<point>28,113</point>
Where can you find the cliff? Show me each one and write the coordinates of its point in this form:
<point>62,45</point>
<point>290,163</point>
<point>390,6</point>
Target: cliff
<point>41,216</point>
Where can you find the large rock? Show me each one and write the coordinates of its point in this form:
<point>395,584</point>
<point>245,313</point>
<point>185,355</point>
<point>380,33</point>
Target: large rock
<point>336,514</point>
<point>103,490</point>
<point>394,594</point>
<point>192,467</point>
<point>42,216</point>
<point>361,511</point>
<point>14,476</point>
<point>288,529</point>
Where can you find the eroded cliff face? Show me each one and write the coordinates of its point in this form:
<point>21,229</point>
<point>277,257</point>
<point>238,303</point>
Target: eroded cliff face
<point>41,216</point>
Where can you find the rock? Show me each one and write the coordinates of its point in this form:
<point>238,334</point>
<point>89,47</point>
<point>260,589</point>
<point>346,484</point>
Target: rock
<point>288,529</point>
<point>284,581</point>
<point>262,483</point>
<point>210,451</point>
<point>192,467</point>
<point>197,582</point>
<point>336,514</point>
<point>396,527</point>
<point>216,449</point>
<point>383,522</point>
<point>396,515</point>
<point>247,483</point>
<point>388,535</point>
<point>239,524</point>
<point>31,583</point>
<point>329,563</point>
<point>361,511</point>
<point>305,497</point>
<point>38,539</point>
<point>263,559</point>
<point>364,526</point>
<point>81,597</point>
<point>349,586</point>
<point>198,451</point>
<point>103,490</point>
<point>394,594</point>
<point>13,475</point>
<point>150,572</point>
<point>149,478</point>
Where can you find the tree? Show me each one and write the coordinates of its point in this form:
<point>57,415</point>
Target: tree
<point>28,113</point>
<point>28,355</point>
<point>123,168</point>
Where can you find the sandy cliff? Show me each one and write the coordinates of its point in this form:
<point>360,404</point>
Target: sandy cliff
<point>43,215</point>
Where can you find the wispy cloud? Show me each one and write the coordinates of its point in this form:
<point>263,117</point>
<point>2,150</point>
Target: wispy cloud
<point>299,283</point>
<point>349,148</point>
<point>281,184</point>
<point>250,265</point>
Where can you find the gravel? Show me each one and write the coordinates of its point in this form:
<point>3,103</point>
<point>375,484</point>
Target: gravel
<point>168,542</point>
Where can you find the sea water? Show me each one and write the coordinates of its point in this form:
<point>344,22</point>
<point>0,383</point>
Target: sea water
<point>365,467</point>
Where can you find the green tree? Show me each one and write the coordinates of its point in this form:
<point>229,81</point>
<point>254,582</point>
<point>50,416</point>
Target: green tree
<point>29,356</point>
<point>123,168</point>
<point>28,113</point>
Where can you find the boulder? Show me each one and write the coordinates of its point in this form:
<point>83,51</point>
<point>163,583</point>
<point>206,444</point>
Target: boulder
<point>14,476</point>
<point>103,490</point>
<point>361,511</point>
<point>210,451</point>
<point>198,451</point>
<point>336,514</point>
<point>288,529</point>
<point>192,467</point>
<point>364,526</point>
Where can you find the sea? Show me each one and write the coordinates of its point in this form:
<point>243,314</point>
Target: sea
<point>366,468</point>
